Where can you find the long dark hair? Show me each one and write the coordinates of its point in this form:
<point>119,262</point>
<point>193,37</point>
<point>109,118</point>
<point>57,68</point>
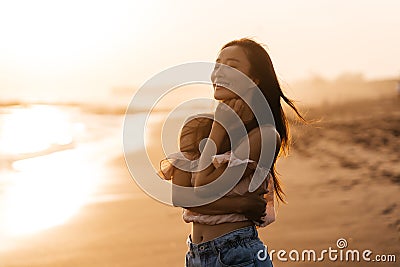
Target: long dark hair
<point>262,69</point>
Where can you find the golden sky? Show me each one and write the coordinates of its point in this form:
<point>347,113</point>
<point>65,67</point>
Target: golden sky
<point>53,50</point>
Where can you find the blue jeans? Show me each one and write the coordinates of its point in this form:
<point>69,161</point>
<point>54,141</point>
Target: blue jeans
<point>241,247</point>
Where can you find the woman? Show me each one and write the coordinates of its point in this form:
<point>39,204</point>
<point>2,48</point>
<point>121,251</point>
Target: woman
<point>224,232</point>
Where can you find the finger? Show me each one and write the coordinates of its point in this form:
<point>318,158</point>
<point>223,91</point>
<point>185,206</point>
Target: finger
<point>240,113</point>
<point>242,107</point>
<point>248,112</point>
<point>237,111</point>
<point>238,106</point>
<point>232,103</point>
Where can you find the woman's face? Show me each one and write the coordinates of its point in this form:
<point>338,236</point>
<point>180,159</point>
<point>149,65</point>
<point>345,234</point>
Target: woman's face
<point>224,77</point>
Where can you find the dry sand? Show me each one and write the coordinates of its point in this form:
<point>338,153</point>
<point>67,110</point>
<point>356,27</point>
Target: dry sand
<point>342,180</point>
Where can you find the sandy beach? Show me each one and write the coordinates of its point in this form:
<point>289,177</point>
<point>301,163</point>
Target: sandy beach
<point>342,179</point>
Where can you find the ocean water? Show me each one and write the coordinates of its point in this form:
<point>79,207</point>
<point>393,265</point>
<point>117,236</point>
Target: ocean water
<point>52,161</point>
<point>55,159</point>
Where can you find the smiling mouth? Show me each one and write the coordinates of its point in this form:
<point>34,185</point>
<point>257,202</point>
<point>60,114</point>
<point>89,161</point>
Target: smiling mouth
<point>221,84</point>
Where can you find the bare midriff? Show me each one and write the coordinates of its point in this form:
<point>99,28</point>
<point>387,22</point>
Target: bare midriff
<point>203,232</point>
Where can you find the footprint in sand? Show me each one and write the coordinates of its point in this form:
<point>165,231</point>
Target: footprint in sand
<point>389,209</point>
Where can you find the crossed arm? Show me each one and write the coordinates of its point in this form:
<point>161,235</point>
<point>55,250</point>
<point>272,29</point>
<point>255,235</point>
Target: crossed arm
<point>265,137</point>
<point>252,205</point>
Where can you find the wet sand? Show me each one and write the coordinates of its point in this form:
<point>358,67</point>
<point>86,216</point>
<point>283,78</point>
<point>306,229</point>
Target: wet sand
<point>342,180</point>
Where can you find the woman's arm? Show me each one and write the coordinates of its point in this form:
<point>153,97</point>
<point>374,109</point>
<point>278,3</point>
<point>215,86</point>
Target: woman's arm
<point>225,113</point>
<point>223,205</point>
<point>266,138</point>
<point>252,205</point>
<point>208,172</point>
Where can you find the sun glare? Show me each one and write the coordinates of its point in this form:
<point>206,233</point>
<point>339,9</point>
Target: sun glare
<point>46,191</point>
<point>30,130</point>
<point>46,183</point>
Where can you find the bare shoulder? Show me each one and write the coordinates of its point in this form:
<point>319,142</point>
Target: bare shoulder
<point>264,133</point>
<point>195,128</point>
<point>265,138</point>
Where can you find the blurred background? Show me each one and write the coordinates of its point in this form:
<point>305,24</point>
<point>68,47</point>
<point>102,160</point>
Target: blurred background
<point>69,69</point>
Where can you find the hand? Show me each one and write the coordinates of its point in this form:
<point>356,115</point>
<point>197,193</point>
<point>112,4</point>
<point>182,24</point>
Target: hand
<point>238,106</point>
<point>254,205</point>
<point>244,111</point>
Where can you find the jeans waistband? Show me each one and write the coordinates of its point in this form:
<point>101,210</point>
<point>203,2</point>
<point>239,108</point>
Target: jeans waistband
<point>231,239</point>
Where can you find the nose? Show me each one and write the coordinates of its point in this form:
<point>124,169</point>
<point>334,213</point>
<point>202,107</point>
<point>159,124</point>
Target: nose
<point>218,72</point>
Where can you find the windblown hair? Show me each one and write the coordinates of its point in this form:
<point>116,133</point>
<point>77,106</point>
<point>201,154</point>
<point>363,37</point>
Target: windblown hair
<point>261,68</point>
